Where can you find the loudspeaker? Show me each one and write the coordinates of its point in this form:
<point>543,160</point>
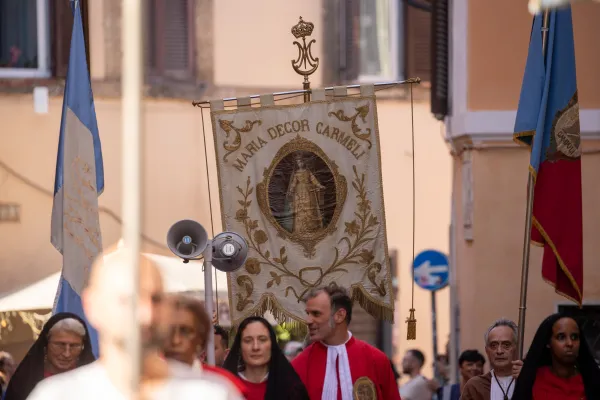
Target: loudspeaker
<point>187,239</point>
<point>230,251</point>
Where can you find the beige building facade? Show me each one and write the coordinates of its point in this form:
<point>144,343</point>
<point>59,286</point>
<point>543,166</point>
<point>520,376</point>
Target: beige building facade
<point>490,171</point>
<point>232,48</point>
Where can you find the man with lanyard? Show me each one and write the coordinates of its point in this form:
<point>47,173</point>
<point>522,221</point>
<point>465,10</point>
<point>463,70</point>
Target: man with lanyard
<point>501,349</point>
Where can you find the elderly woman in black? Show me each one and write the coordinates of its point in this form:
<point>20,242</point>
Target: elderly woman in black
<point>63,344</point>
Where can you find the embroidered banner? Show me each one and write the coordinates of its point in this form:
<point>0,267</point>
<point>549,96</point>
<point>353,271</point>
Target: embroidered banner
<point>302,184</point>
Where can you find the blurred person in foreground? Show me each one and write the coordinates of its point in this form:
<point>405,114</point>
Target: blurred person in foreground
<point>501,349</point>
<point>7,369</point>
<point>63,344</point>
<point>559,364</point>
<point>106,303</point>
<point>337,365</point>
<point>256,357</point>
<point>189,335</point>
<point>417,387</point>
<point>470,364</point>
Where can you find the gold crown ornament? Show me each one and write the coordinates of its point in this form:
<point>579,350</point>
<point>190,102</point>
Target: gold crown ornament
<point>302,29</point>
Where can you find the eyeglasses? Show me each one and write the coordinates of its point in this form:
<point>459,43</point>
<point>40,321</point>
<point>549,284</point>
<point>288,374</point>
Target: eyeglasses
<point>62,347</point>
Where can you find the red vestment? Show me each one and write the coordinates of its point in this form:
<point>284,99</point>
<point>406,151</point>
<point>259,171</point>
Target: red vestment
<point>255,391</point>
<point>548,386</point>
<point>365,361</point>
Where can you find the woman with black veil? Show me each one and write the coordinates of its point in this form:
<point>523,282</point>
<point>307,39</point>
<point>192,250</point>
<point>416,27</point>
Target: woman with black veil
<point>257,359</point>
<point>64,344</point>
<point>559,364</point>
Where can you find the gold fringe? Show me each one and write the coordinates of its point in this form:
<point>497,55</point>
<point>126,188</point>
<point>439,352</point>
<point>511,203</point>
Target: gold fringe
<point>299,328</point>
<point>378,311</point>
<point>561,263</point>
<point>411,331</point>
<point>294,326</point>
<point>519,136</point>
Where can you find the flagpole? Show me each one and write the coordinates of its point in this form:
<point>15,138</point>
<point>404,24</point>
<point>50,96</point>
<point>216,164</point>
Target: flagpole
<point>131,173</point>
<point>528,218</point>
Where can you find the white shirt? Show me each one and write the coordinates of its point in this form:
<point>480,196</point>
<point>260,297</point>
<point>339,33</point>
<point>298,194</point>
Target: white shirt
<point>91,382</point>
<point>507,386</point>
<point>416,389</point>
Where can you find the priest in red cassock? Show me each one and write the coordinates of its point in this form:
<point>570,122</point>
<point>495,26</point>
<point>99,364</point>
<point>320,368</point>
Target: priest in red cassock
<point>337,366</point>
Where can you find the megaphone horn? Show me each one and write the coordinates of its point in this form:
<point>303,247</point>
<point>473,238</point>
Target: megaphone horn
<point>187,239</point>
<point>230,251</point>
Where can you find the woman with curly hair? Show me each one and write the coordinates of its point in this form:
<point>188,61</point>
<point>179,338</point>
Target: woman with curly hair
<point>559,364</point>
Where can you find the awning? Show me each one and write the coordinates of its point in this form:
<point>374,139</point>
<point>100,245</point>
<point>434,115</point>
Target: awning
<point>178,277</point>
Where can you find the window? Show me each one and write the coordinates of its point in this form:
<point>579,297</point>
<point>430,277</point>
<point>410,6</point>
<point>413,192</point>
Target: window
<point>24,39</point>
<point>377,40</point>
<point>35,37</point>
<point>379,34</point>
<point>170,39</point>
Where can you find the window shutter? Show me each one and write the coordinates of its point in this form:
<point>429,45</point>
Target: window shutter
<point>85,17</point>
<point>418,43</point>
<point>439,60</point>
<point>61,19</point>
<point>170,46</point>
<point>151,44</point>
<point>178,35</point>
<point>331,39</point>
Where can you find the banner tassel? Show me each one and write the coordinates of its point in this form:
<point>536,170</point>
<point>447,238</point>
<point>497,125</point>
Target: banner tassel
<point>411,331</point>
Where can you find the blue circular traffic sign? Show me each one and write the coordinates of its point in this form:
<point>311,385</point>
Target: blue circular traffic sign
<point>431,270</point>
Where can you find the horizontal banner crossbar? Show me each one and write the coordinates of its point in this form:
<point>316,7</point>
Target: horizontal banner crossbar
<point>302,91</point>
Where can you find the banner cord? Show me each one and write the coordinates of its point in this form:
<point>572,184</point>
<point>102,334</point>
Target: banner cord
<point>212,225</point>
<point>411,331</point>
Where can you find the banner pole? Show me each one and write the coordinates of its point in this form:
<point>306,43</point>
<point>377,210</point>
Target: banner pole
<point>528,219</point>
<point>434,336</point>
<point>131,174</point>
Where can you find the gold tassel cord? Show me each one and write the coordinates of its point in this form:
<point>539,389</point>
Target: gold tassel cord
<point>411,331</point>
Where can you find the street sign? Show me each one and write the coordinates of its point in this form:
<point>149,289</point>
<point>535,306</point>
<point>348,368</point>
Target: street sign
<point>430,270</point>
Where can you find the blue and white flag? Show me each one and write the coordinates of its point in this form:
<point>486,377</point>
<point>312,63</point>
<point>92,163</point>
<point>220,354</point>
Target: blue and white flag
<point>79,181</point>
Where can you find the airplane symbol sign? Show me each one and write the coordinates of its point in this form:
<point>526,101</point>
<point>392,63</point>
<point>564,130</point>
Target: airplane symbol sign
<point>431,270</point>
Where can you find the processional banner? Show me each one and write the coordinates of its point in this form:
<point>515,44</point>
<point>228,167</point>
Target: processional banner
<point>302,184</point>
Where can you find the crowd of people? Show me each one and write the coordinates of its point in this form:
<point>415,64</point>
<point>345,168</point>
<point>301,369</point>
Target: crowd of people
<point>332,365</point>
<point>559,366</point>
